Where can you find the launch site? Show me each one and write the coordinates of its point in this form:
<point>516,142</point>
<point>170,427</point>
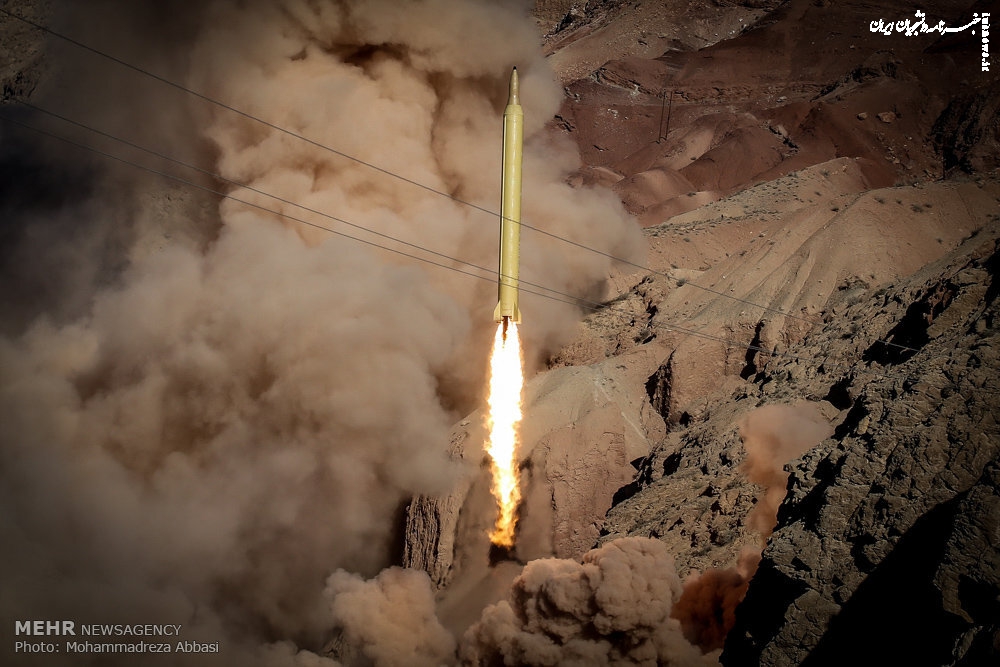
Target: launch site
<point>499,333</point>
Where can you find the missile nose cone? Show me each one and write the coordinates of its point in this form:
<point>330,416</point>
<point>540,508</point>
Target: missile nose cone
<point>512,98</point>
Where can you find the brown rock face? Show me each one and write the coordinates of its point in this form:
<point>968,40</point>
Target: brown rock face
<point>967,132</point>
<point>22,64</point>
<point>888,536</point>
<point>816,264</point>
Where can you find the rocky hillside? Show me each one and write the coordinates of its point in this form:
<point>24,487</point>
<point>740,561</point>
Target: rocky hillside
<point>810,363</point>
<point>888,535</point>
<point>889,399</point>
<point>697,122</point>
<point>892,517</point>
<point>771,441</point>
<point>21,67</point>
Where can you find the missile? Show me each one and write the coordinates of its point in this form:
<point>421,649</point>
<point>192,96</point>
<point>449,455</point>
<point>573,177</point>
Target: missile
<point>510,209</point>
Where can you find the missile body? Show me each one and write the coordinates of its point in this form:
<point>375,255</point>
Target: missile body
<point>510,209</point>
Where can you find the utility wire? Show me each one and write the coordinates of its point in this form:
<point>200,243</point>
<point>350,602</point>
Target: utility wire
<point>234,198</point>
<point>220,177</point>
<point>492,272</point>
<point>400,177</point>
<point>568,298</point>
<point>593,306</point>
<point>571,299</point>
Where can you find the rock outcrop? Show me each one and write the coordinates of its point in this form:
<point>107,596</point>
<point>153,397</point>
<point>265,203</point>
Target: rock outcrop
<point>900,377</point>
<point>888,537</point>
<point>818,275</point>
<point>967,132</point>
<point>22,64</point>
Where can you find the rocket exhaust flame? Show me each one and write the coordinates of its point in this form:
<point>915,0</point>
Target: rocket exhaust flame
<point>506,383</point>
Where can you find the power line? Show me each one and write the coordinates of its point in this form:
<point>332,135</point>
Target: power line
<point>251,188</point>
<point>234,198</point>
<point>569,298</point>
<point>577,301</point>
<point>400,177</point>
<point>493,272</point>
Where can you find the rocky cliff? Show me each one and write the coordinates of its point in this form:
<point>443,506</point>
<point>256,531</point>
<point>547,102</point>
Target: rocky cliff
<point>888,537</point>
<point>809,359</point>
<point>772,443</point>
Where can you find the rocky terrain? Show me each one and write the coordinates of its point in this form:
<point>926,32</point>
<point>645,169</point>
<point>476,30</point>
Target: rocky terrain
<point>819,321</point>
<point>772,440</point>
<point>22,66</point>
<point>888,534</point>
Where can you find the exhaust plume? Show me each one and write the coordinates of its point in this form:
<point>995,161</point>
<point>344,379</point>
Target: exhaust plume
<point>611,609</point>
<point>506,382</point>
<point>241,406</point>
<point>390,620</point>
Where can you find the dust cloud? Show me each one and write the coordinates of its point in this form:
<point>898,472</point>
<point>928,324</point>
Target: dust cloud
<point>772,436</point>
<point>614,608</point>
<point>242,406</point>
<point>418,86</point>
<point>390,620</point>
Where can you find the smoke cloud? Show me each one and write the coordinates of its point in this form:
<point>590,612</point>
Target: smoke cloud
<point>243,407</point>
<point>611,609</point>
<point>772,436</point>
<point>707,607</point>
<point>419,86</point>
<point>390,619</point>
<point>215,427</point>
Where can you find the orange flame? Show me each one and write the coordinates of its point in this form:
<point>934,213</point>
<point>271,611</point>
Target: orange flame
<point>506,382</point>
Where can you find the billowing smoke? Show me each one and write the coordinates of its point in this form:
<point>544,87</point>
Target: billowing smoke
<point>772,436</point>
<point>419,86</point>
<point>611,609</point>
<point>707,608</point>
<point>241,411</point>
<point>390,620</point>
<point>213,425</point>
